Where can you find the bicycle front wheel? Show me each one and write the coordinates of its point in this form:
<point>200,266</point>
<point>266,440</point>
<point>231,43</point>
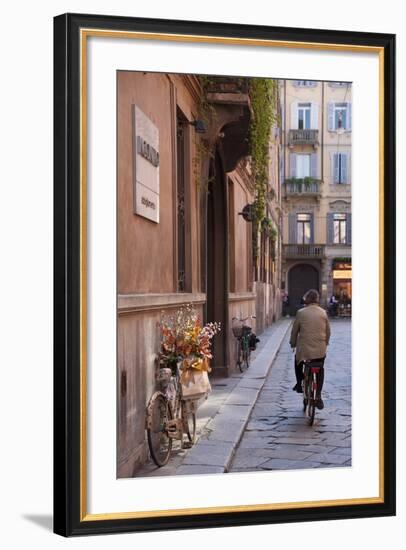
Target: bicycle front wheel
<point>240,355</point>
<point>246,357</point>
<point>312,411</point>
<point>312,399</point>
<point>159,414</point>
<point>189,422</point>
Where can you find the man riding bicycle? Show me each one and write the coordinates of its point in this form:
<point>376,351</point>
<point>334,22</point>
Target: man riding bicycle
<point>310,336</point>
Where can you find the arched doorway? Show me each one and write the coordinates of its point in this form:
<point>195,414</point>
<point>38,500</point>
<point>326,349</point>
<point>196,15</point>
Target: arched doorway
<point>217,263</point>
<point>301,278</point>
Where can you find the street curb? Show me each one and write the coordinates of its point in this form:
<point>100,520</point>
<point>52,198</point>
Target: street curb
<point>217,448</point>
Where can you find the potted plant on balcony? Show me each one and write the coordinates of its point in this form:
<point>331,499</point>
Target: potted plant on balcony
<point>308,181</point>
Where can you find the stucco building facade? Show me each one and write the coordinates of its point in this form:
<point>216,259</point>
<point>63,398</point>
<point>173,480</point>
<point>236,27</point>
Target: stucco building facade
<point>316,175</point>
<point>183,182</point>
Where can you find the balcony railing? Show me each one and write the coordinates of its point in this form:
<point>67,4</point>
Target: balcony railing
<point>308,251</point>
<point>303,137</point>
<point>301,187</point>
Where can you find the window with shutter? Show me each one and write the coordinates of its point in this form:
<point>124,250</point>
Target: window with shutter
<point>304,228</point>
<point>330,228</point>
<point>344,168</point>
<point>340,228</point>
<point>303,165</point>
<point>312,228</point>
<point>336,168</point>
<point>282,168</point>
<point>330,116</point>
<point>314,116</point>
<point>349,228</point>
<point>340,167</point>
<point>292,165</point>
<point>294,115</point>
<point>313,165</point>
<point>341,116</point>
<point>349,110</point>
<point>292,229</point>
<point>303,116</point>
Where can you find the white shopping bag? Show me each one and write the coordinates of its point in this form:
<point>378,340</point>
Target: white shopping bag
<point>198,386</point>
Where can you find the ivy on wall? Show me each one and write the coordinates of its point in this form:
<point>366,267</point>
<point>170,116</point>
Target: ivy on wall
<point>268,227</point>
<point>263,95</point>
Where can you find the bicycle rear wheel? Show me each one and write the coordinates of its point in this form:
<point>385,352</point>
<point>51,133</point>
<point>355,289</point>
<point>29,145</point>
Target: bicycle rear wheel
<point>158,415</point>
<point>305,388</point>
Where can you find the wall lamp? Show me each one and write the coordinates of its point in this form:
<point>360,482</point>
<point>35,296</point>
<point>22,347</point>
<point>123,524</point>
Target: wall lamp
<point>200,127</point>
<point>247,213</point>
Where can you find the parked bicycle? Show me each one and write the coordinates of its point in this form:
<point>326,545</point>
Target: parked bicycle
<point>169,417</point>
<point>311,373</point>
<point>246,341</point>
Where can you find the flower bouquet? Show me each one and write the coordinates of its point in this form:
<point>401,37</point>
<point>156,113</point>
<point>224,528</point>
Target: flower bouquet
<point>187,343</point>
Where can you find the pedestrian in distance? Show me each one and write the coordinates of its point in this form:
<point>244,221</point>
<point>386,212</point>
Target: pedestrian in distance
<point>310,337</point>
<point>333,307</point>
<point>285,305</point>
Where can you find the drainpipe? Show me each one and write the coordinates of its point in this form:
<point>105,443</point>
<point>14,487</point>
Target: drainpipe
<point>284,176</point>
<point>322,131</point>
<point>284,131</point>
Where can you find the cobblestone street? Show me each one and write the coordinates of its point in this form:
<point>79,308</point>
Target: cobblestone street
<point>277,435</point>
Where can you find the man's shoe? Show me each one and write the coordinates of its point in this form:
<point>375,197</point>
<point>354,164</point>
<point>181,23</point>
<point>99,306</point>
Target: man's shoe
<point>319,403</point>
<point>298,388</point>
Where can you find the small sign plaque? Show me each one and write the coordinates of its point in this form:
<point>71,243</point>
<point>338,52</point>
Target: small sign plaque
<point>146,166</point>
<point>342,274</point>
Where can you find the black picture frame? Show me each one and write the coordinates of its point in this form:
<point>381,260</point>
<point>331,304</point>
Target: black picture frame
<point>68,520</point>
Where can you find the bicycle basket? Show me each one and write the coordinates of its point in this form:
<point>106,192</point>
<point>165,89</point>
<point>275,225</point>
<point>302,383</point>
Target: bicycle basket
<point>239,329</point>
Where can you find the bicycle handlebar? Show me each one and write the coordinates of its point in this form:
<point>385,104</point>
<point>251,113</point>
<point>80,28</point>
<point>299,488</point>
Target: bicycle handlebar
<point>245,318</point>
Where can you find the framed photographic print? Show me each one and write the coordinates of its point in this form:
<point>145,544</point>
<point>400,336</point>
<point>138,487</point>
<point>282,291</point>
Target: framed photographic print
<point>224,206</point>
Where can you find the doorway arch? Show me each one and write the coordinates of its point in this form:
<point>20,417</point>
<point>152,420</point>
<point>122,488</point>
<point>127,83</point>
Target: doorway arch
<point>301,278</point>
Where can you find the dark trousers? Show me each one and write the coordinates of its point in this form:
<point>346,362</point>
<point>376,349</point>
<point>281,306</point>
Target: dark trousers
<point>320,378</point>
